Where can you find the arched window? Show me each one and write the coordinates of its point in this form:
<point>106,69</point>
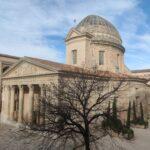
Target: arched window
<point>101,57</point>
<point>74,56</point>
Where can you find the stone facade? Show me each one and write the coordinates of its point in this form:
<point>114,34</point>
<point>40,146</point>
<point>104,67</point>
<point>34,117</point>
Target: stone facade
<point>88,55</point>
<point>22,87</point>
<point>22,79</point>
<point>5,62</point>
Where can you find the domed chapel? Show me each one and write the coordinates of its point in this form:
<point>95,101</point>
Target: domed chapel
<point>95,42</point>
<point>92,43</point>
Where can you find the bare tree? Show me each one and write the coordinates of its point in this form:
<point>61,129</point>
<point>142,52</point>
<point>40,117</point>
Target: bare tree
<point>74,108</point>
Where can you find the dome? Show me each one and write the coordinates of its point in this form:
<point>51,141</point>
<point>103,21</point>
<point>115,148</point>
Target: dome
<point>101,29</point>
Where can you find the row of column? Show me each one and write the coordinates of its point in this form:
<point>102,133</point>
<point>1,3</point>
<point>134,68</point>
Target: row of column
<point>8,96</point>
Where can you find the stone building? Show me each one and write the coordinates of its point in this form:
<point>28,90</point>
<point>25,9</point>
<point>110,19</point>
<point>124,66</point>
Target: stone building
<point>5,62</point>
<point>94,42</point>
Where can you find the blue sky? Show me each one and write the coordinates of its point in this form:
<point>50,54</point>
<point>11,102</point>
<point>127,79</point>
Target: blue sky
<point>38,28</point>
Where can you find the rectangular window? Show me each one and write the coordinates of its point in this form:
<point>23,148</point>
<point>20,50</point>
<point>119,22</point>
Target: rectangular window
<point>118,59</point>
<point>117,69</point>
<point>101,57</point>
<point>74,56</point>
<point>117,66</point>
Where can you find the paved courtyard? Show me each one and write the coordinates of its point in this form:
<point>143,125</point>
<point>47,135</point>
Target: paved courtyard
<point>11,140</point>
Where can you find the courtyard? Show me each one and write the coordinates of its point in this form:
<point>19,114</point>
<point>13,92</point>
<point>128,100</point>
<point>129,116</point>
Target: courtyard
<point>11,139</point>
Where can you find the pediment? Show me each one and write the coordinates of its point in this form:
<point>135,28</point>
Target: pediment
<point>24,69</point>
<point>73,33</point>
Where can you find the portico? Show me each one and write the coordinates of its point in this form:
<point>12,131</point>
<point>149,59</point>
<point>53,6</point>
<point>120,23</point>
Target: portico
<point>23,87</point>
<point>22,102</point>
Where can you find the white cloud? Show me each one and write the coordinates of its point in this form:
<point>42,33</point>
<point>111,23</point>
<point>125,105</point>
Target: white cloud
<point>27,26</point>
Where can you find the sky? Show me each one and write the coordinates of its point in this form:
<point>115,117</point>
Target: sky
<point>38,28</point>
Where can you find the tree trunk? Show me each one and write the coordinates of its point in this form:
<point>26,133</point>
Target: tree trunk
<point>86,134</point>
<point>87,142</point>
<point>87,137</point>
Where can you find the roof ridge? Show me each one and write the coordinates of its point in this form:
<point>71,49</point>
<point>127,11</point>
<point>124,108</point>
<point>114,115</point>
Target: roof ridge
<point>11,56</point>
<point>54,62</point>
<point>140,70</point>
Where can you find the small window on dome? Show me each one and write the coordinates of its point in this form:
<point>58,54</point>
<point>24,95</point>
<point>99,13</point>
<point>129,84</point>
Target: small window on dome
<point>101,57</point>
<point>74,56</point>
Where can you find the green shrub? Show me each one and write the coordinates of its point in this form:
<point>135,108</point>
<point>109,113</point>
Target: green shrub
<point>128,133</point>
<point>142,113</point>
<point>117,125</point>
<point>128,115</point>
<point>146,124</point>
<point>108,109</point>
<point>141,122</point>
<point>111,121</point>
<point>134,112</point>
<point>112,124</point>
<point>114,109</point>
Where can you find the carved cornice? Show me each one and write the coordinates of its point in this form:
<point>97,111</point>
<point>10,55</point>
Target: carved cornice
<point>30,76</point>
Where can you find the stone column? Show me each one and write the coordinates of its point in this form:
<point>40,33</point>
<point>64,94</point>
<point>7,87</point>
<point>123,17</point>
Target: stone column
<point>8,100</point>
<point>147,98</point>
<point>12,100</point>
<point>21,97</point>
<point>31,101</point>
<point>1,67</point>
<point>3,111</point>
<point>38,103</point>
<point>42,107</point>
<point>42,93</point>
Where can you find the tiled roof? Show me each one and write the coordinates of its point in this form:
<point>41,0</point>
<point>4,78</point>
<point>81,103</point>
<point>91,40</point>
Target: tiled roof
<point>141,71</point>
<point>73,69</point>
<point>56,65</point>
<point>101,29</point>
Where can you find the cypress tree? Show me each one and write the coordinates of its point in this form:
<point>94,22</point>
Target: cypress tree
<point>128,115</point>
<point>141,110</point>
<point>108,116</point>
<point>108,109</point>
<point>114,109</point>
<point>134,112</point>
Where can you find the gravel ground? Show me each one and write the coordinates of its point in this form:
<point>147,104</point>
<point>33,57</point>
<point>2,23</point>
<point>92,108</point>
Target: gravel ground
<point>11,140</point>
